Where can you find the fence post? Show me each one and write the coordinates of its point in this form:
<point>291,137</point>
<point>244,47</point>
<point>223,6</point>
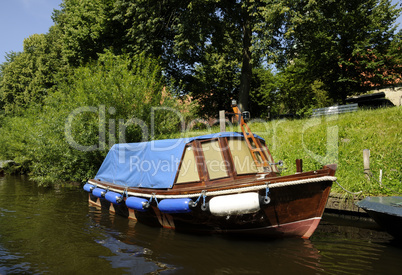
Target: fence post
<point>366,162</point>
<point>299,165</point>
<point>222,122</point>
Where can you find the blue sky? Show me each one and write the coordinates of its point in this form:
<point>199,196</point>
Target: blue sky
<point>21,18</point>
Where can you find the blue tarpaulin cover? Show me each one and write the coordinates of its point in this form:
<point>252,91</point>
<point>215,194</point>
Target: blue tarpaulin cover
<point>151,164</point>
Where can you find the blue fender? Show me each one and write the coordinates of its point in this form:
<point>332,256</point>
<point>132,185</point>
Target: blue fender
<point>114,197</point>
<point>89,187</point>
<point>172,206</point>
<point>139,204</point>
<point>99,192</point>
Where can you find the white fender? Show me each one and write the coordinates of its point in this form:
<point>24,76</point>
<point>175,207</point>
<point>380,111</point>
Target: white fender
<point>237,204</point>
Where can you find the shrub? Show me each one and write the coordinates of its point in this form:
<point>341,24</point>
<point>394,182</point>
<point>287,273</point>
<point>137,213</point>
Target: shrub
<point>113,100</point>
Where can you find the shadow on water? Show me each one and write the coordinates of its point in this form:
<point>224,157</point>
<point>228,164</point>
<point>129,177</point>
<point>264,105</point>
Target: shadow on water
<point>333,249</point>
<point>180,253</point>
<point>55,231</point>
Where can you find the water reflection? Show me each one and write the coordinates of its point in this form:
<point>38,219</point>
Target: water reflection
<point>356,246</point>
<point>121,239</point>
<point>55,231</point>
<point>338,247</point>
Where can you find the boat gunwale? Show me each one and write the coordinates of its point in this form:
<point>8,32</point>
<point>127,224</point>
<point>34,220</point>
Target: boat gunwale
<point>227,185</point>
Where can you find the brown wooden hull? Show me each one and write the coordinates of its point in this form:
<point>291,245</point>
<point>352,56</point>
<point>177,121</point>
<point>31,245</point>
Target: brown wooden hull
<point>294,210</point>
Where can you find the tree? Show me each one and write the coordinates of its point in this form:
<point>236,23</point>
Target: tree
<point>190,35</point>
<point>183,34</point>
<point>338,40</point>
<point>263,93</point>
<point>84,29</point>
<point>10,56</point>
<point>27,77</point>
<point>298,93</point>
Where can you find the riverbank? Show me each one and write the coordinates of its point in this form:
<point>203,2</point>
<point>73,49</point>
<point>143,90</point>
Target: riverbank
<point>4,164</point>
<point>340,139</point>
<point>344,204</point>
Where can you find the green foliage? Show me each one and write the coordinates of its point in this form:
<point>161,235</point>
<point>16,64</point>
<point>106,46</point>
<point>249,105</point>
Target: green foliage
<point>27,77</point>
<point>339,139</point>
<point>198,39</point>
<point>107,102</point>
<point>299,93</point>
<point>84,29</point>
<point>212,50</point>
<point>214,82</point>
<point>263,93</point>
<point>343,42</point>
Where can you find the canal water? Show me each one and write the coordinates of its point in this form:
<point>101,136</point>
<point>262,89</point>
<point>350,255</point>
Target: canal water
<point>55,231</point>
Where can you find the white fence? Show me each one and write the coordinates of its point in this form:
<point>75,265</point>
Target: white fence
<point>333,110</point>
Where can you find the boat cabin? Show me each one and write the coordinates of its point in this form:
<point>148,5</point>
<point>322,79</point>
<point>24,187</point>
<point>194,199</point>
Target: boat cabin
<point>189,162</point>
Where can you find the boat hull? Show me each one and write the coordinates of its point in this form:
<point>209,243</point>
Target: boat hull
<point>293,211</point>
<point>386,212</point>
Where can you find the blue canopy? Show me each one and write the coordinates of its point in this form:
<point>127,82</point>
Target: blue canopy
<point>151,164</point>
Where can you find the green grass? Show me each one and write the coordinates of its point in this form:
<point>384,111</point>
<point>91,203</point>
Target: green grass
<point>340,139</point>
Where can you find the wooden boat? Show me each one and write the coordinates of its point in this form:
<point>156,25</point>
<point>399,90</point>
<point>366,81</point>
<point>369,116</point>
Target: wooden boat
<point>219,183</point>
<point>386,211</point>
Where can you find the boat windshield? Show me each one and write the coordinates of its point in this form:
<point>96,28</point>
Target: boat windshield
<point>188,168</point>
<point>214,160</point>
<point>242,158</point>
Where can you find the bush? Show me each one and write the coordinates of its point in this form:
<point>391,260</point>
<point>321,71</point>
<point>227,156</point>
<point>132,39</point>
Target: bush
<point>113,100</point>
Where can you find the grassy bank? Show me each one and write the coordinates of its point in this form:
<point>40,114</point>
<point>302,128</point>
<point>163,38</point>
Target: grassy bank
<point>337,139</point>
<point>340,139</point>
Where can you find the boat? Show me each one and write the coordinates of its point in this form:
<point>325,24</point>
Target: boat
<point>224,183</point>
<point>386,212</point>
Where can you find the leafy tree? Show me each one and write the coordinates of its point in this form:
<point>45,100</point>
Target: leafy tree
<point>84,29</point>
<point>263,93</point>
<point>298,92</point>
<point>105,102</point>
<point>194,38</point>
<point>339,40</point>
<point>10,56</point>
<point>29,75</point>
<point>214,83</point>
<point>186,36</point>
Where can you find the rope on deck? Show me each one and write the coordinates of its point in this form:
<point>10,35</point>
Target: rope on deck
<point>230,191</point>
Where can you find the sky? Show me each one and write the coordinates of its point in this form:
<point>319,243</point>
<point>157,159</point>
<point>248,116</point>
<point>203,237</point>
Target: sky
<point>21,18</point>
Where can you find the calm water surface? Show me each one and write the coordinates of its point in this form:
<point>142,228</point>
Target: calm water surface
<point>55,231</point>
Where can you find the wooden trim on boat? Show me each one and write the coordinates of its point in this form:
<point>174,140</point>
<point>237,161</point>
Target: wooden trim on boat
<point>224,185</point>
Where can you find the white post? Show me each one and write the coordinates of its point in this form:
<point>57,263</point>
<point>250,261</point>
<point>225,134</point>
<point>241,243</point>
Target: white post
<point>366,161</point>
<point>222,121</point>
<point>380,180</point>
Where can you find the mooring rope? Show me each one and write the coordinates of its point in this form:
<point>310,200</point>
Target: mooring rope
<point>382,184</point>
<point>228,191</point>
<point>344,189</point>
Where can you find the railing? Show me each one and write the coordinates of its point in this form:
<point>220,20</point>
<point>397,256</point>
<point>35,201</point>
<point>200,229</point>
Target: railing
<point>333,110</point>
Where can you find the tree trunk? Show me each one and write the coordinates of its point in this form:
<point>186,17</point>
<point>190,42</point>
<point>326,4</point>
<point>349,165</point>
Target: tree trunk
<point>246,69</point>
